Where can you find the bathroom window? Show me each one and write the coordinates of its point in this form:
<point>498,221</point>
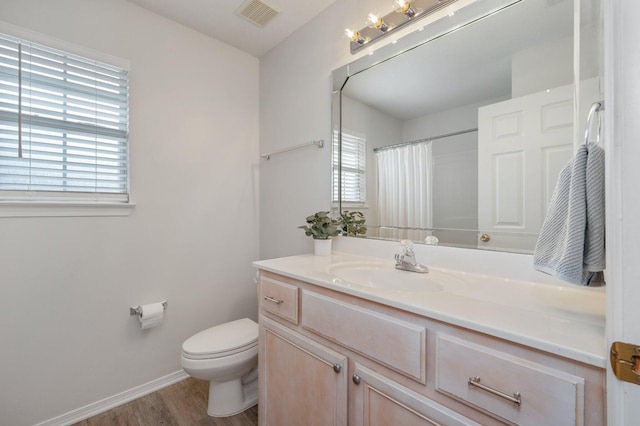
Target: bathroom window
<point>63,126</point>
<point>353,168</point>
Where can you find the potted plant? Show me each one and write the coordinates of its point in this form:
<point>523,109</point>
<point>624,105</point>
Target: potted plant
<point>352,224</point>
<point>322,228</point>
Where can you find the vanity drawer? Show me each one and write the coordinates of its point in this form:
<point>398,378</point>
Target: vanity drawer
<point>397,344</point>
<point>492,381</point>
<point>279,298</point>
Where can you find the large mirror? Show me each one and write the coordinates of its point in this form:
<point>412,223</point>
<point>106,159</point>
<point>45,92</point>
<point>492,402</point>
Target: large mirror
<point>456,133</point>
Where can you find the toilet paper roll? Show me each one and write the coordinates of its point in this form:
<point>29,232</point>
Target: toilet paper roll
<point>151,315</point>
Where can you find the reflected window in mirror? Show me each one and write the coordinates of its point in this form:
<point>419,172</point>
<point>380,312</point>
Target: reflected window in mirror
<point>352,181</point>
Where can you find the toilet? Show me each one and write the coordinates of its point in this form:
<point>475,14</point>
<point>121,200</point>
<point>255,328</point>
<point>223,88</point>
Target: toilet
<point>227,356</point>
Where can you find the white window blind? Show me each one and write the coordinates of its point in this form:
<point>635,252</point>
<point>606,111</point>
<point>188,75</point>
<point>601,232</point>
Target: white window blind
<point>63,125</point>
<point>353,168</point>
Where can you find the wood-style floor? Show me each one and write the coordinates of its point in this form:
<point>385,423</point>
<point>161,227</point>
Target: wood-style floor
<point>181,404</point>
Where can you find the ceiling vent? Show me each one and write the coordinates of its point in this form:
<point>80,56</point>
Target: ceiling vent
<point>258,12</point>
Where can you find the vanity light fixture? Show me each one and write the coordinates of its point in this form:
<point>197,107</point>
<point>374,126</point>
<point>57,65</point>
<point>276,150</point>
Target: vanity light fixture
<point>403,11</point>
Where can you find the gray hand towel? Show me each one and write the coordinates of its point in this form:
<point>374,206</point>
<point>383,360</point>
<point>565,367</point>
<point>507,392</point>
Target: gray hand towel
<point>571,242</point>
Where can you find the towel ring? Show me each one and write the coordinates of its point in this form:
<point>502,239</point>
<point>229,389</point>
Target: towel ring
<point>595,107</point>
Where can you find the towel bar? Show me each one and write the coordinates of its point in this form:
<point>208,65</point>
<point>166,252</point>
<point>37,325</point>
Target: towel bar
<point>319,143</point>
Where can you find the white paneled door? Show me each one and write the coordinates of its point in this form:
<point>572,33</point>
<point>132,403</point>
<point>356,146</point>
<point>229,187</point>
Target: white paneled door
<point>523,143</point>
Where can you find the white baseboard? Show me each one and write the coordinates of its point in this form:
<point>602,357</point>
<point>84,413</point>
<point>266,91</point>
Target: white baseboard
<point>115,400</point>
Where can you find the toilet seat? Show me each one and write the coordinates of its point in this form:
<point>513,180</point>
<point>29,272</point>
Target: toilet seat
<point>222,340</point>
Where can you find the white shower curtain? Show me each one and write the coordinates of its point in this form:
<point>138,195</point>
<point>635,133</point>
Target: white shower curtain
<point>404,190</point>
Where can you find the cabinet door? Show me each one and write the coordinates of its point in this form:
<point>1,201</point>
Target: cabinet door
<point>378,401</point>
<point>301,381</point>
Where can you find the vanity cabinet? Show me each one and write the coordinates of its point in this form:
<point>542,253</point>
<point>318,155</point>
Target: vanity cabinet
<point>331,358</point>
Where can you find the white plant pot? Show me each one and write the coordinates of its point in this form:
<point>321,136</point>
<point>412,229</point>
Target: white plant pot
<point>322,247</point>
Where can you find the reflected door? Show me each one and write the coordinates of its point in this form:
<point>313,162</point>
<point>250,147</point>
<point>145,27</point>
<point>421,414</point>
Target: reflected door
<point>523,144</point>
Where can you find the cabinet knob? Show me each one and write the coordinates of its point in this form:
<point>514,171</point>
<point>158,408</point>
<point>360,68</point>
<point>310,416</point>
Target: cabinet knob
<point>337,368</point>
<point>485,238</point>
<point>356,379</point>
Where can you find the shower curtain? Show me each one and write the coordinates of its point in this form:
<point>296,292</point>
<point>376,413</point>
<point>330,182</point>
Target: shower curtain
<point>404,191</point>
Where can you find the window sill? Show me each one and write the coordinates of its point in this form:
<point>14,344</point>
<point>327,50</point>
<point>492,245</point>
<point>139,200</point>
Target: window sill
<point>351,206</point>
<point>63,209</point>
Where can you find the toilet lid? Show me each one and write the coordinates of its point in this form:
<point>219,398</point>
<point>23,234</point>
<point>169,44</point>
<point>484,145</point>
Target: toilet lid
<point>224,339</point>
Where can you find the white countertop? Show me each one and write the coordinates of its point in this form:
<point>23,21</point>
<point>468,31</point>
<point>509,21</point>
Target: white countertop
<point>562,320</point>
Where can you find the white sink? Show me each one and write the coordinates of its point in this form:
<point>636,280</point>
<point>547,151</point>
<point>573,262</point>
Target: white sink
<point>384,276</point>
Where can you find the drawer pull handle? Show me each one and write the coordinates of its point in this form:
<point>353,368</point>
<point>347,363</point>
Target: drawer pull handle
<point>516,398</point>
<point>274,300</point>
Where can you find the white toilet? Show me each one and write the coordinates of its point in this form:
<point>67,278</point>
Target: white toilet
<point>227,356</point>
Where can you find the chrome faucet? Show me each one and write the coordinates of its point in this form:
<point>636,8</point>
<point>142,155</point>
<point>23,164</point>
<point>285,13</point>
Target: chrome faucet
<point>406,259</point>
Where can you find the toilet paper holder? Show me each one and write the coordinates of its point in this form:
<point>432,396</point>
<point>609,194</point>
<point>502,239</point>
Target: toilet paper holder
<point>138,310</point>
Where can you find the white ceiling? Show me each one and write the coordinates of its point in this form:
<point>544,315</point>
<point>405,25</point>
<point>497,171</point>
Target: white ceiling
<point>218,19</point>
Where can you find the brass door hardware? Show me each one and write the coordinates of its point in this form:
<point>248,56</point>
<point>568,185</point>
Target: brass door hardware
<point>485,238</point>
<point>625,362</point>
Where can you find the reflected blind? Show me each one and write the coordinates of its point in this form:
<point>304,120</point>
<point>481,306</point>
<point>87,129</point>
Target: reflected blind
<point>353,168</point>
<point>63,123</point>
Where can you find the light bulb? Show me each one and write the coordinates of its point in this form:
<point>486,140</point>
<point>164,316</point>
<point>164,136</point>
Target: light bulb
<point>405,7</point>
<point>354,36</point>
<point>375,21</point>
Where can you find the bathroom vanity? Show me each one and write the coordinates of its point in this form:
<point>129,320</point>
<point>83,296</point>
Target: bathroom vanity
<point>348,339</point>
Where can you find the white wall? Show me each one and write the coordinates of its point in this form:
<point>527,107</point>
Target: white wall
<point>530,70</point>
<point>66,284</point>
<point>453,120</point>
